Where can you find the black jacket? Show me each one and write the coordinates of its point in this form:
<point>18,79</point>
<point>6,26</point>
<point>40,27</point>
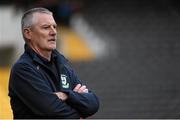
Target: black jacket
<point>32,85</point>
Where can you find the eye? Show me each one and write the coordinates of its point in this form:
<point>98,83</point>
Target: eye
<point>45,27</point>
<point>54,26</point>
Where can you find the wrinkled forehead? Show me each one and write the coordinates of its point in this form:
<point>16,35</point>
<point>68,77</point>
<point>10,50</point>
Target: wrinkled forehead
<point>43,18</point>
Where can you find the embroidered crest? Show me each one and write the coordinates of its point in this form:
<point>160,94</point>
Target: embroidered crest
<point>64,82</point>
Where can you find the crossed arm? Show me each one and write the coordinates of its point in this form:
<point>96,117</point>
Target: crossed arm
<point>81,99</point>
<point>79,89</point>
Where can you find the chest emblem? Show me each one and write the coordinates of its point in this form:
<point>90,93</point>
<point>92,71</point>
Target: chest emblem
<point>64,82</point>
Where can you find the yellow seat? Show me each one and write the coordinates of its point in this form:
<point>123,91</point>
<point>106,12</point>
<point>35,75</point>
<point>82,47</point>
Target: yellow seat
<point>74,47</point>
<point>5,108</point>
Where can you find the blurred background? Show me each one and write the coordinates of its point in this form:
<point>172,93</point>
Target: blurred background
<point>126,51</point>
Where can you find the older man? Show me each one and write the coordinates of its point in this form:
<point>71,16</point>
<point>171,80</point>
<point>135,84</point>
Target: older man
<point>42,85</point>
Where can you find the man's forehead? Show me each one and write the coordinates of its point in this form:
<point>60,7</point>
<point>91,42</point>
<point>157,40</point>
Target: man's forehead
<point>44,18</point>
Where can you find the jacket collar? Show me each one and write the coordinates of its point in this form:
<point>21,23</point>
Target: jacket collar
<point>55,55</point>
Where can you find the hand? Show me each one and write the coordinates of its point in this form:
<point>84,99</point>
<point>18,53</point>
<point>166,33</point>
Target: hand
<point>80,88</point>
<point>62,96</point>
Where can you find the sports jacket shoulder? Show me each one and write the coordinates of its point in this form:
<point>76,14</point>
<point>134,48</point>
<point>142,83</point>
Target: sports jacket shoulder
<point>31,90</point>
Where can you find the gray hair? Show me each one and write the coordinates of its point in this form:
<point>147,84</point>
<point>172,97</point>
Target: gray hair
<point>27,18</point>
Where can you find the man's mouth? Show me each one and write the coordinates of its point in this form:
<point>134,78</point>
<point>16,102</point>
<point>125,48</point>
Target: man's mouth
<point>53,40</point>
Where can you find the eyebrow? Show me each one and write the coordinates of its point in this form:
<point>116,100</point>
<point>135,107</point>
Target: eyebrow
<point>48,24</point>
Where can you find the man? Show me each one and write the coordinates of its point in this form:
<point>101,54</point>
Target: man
<point>42,85</point>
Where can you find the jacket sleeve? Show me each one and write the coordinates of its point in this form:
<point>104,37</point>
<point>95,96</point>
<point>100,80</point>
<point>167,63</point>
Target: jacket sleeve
<point>29,86</point>
<point>86,103</point>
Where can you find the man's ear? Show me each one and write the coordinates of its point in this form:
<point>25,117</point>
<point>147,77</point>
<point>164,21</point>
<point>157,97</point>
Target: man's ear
<point>27,33</point>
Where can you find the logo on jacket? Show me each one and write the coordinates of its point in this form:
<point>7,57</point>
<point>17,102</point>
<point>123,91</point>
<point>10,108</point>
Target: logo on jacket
<point>64,82</point>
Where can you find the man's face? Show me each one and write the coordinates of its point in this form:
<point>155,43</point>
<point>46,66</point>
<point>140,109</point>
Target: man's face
<point>43,32</point>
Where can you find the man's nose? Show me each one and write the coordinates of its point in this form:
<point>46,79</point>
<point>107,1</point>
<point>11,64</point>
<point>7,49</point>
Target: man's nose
<point>53,31</point>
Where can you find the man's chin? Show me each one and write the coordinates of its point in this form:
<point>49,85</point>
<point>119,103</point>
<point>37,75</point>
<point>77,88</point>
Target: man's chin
<point>51,48</point>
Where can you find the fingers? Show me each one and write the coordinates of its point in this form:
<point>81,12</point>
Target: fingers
<point>77,87</point>
<point>61,96</point>
<point>80,89</point>
<point>85,91</point>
